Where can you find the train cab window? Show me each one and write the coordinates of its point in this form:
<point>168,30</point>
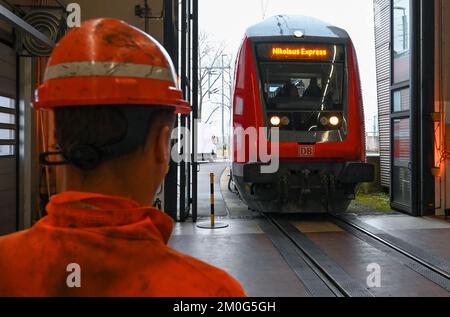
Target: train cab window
<point>302,86</point>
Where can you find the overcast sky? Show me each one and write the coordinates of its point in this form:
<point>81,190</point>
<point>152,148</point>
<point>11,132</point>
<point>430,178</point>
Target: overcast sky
<point>227,21</point>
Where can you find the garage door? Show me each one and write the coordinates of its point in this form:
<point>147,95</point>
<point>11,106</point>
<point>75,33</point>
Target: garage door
<point>8,140</point>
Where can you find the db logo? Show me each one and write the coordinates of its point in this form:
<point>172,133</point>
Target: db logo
<point>306,151</point>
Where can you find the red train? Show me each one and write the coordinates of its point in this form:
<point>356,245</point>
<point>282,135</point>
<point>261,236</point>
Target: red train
<point>299,75</point>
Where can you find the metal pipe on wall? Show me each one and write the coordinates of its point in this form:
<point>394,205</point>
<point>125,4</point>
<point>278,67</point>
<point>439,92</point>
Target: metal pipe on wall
<point>171,180</point>
<point>28,165</point>
<point>426,106</point>
<point>183,119</point>
<point>194,106</point>
<point>440,108</point>
<point>445,101</point>
<point>415,105</point>
<point>146,9</point>
<point>189,95</point>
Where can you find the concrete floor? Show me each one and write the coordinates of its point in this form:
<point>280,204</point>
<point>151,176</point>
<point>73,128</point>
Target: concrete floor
<point>429,233</point>
<point>244,251</point>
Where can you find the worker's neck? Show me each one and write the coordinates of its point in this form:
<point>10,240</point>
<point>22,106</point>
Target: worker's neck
<point>107,180</point>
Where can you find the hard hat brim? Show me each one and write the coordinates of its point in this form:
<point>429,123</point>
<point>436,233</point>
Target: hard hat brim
<point>92,91</point>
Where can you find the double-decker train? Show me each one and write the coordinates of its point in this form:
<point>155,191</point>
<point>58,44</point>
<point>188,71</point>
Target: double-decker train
<point>299,75</point>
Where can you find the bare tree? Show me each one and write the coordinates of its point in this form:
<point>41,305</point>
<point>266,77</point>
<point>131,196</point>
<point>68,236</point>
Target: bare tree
<point>210,55</point>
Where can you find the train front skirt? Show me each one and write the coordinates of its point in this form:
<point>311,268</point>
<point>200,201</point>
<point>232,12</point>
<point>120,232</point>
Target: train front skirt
<point>301,188</point>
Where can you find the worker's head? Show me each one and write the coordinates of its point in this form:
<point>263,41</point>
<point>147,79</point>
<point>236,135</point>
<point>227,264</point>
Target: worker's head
<point>101,143</point>
<point>114,104</point>
<point>293,91</point>
<point>314,82</point>
<point>290,90</point>
<point>90,136</point>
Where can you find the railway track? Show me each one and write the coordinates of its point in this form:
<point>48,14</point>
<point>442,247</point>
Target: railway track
<point>322,276</point>
<point>431,267</point>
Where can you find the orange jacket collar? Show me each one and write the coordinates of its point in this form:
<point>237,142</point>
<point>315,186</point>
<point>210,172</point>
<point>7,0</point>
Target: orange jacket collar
<point>109,215</point>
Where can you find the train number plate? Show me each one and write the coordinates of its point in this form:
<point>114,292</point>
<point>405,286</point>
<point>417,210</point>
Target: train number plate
<point>306,151</point>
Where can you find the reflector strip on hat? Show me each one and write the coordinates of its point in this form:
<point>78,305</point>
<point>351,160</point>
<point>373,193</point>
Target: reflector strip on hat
<point>108,69</point>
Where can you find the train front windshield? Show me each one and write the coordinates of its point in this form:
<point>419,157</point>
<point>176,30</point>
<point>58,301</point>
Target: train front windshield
<point>306,81</point>
<point>302,86</point>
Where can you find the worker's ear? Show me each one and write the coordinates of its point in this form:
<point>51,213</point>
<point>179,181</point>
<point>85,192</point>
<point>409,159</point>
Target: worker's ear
<point>162,144</point>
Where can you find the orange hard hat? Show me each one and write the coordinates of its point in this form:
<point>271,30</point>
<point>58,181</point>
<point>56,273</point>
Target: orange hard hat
<point>109,62</point>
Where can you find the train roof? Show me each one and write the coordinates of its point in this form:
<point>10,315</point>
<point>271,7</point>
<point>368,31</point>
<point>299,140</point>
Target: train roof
<point>286,25</point>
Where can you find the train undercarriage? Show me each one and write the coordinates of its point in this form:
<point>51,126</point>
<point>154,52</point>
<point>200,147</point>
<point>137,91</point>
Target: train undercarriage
<point>301,188</point>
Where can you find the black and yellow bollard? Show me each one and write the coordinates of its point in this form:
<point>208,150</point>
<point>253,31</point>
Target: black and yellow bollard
<point>211,199</point>
<point>212,224</point>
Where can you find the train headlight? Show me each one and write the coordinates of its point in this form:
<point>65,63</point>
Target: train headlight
<point>275,121</point>
<point>324,121</point>
<point>285,121</point>
<point>299,34</point>
<point>334,121</point>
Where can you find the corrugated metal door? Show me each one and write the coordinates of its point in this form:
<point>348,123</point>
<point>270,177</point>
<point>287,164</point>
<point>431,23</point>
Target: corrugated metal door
<point>8,140</point>
<point>383,60</point>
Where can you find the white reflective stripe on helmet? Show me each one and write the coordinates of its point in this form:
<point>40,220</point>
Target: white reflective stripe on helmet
<point>108,69</point>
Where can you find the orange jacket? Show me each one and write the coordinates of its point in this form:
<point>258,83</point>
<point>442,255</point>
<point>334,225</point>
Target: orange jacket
<point>119,246</point>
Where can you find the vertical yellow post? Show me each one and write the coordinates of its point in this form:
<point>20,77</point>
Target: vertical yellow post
<point>212,225</point>
<point>211,177</point>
